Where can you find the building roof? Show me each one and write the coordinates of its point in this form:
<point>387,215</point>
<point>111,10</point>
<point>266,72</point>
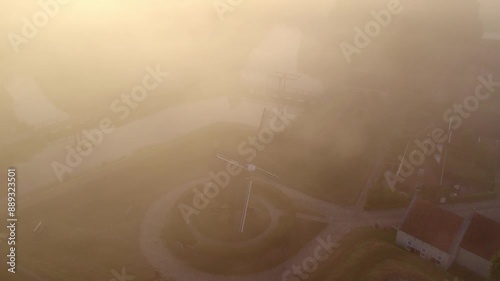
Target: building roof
<point>482,237</point>
<point>432,225</point>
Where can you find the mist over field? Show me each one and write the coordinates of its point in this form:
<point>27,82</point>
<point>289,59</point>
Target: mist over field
<point>238,140</point>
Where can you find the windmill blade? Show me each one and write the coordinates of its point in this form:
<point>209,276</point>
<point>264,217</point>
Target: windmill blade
<point>267,173</point>
<point>220,156</point>
<point>245,207</point>
<point>401,164</point>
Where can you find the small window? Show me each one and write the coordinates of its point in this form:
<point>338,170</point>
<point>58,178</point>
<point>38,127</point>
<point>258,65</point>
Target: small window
<point>408,245</point>
<point>436,261</point>
<point>423,252</point>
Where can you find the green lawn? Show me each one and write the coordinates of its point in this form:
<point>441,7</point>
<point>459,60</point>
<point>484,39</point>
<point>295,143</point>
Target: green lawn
<point>88,229</point>
<point>465,168</point>
<point>286,239</point>
<point>319,173</point>
<point>92,222</point>
<point>91,218</point>
<point>371,255</point>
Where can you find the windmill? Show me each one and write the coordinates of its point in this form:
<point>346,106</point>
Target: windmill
<point>251,168</point>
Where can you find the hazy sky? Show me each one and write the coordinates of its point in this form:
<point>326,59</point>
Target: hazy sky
<point>94,48</point>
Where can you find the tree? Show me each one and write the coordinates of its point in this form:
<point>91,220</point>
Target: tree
<point>495,267</point>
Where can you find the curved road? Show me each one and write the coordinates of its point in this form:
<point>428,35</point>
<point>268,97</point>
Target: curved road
<point>340,220</point>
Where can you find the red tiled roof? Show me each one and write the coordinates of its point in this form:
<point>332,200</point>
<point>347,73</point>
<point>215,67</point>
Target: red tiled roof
<point>432,225</point>
<point>483,237</point>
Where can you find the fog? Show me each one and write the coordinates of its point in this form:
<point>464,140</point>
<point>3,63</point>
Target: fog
<point>234,140</point>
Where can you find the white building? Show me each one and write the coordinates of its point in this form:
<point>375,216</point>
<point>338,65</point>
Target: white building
<point>431,232</point>
<point>445,238</point>
<point>479,244</point>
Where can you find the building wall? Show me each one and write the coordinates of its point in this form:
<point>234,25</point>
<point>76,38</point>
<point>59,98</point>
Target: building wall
<point>431,252</point>
<point>473,262</point>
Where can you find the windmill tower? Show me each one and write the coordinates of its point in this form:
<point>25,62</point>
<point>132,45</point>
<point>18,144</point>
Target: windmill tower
<point>251,169</point>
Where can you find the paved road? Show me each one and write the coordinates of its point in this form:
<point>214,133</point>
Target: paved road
<point>340,221</point>
<point>167,264</point>
<point>175,121</point>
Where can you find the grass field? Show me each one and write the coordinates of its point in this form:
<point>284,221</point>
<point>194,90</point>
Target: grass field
<point>325,163</point>
<point>252,252</point>
<point>91,218</point>
<point>319,175</point>
<point>371,255</point>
